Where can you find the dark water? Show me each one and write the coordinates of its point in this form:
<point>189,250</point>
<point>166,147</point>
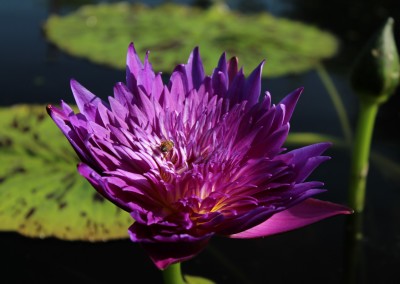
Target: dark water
<point>34,71</point>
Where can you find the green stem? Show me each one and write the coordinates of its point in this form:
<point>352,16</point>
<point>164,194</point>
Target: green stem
<point>360,154</point>
<point>337,102</point>
<point>173,274</point>
<point>354,248</point>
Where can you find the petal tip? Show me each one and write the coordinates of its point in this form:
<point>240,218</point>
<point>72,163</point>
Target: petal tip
<point>74,84</point>
<point>49,109</point>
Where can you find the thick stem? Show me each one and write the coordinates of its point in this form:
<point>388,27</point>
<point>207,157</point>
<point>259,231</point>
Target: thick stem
<point>354,266</point>
<point>173,274</point>
<point>360,154</point>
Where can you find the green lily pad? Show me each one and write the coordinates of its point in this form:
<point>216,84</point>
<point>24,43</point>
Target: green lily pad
<point>306,138</point>
<point>41,193</point>
<point>101,33</point>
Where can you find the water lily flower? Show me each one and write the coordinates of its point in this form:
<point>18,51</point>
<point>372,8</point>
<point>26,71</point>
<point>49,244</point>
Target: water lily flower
<point>198,157</point>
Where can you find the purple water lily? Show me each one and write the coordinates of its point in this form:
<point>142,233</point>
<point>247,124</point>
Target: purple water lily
<point>198,157</point>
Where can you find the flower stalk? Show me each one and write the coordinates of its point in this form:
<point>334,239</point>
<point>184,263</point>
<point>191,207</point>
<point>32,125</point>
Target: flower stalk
<point>360,154</point>
<point>374,78</point>
<point>173,275</point>
<point>354,244</point>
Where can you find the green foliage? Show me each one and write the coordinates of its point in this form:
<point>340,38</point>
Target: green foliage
<point>41,193</point>
<point>101,33</point>
<point>305,138</point>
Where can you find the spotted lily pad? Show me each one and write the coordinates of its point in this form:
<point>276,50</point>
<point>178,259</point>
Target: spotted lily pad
<point>101,33</point>
<point>41,193</point>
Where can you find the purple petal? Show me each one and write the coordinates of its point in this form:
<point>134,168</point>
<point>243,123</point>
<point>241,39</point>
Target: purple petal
<point>290,102</point>
<point>222,65</point>
<point>276,140</point>
<point>84,97</point>
<point>302,154</point>
<point>97,182</point>
<point>232,69</point>
<point>157,87</point>
<point>252,89</point>
<point>194,70</point>
<point>164,253</point>
<point>61,120</point>
<point>236,86</point>
<point>133,66</point>
<point>178,87</point>
<point>123,95</point>
<point>219,84</point>
<point>307,212</point>
<point>307,158</point>
<point>220,77</point>
<point>118,109</point>
<point>146,76</point>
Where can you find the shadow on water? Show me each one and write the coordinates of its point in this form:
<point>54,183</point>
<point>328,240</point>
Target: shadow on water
<point>34,71</point>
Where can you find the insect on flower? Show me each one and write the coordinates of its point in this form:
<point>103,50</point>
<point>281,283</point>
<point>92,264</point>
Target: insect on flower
<point>166,146</point>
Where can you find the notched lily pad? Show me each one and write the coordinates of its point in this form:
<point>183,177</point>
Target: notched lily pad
<point>41,193</point>
<point>101,33</point>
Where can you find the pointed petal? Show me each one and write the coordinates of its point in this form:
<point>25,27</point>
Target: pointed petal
<point>194,70</point>
<point>236,87</point>
<point>232,68</point>
<point>67,128</point>
<point>219,84</point>
<point>133,66</point>
<point>252,89</point>
<point>309,166</point>
<point>146,75</point>
<point>290,102</point>
<point>307,212</point>
<point>219,77</point>
<point>178,88</point>
<point>97,182</point>
<point>157,87</point>
<point>84,97</point>
<point>275,141</point>
<point>222,66</point>
<point>307,158</point>
<point>118,109</point>
<point>123,95</point>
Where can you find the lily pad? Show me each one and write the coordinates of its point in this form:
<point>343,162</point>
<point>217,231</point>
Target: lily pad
<point>101,33</point>
<point>41,193</point>
<point>307,138</point>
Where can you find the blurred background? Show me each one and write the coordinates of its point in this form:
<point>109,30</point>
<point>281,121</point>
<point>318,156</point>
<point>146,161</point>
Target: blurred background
<point>36,71</point>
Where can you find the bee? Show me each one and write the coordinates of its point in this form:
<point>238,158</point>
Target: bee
<point>166,146</point>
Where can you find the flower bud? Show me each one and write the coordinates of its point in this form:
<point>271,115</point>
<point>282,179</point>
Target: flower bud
<point>376,72</point>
